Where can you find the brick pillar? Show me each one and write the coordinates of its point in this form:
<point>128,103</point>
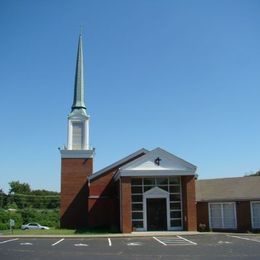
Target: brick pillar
<point>202,215</point>
<point>125,205</point>
<point>189,203</point>
<point>74,192</point>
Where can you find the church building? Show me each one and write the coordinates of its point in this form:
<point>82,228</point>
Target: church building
<point>146,190</point>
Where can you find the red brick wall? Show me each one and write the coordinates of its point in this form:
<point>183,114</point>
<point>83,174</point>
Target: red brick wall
<point>189,203</point>
<point>202,215</point>
<point>243,216</point>
<point>74,192</point>
<point>103,212</point>
<point>103,202</point>
<point>103,185</point>
<point>103,206</point>
<point>126,205</point>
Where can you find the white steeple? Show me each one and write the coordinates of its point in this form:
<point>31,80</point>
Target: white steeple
<point>78,119</point>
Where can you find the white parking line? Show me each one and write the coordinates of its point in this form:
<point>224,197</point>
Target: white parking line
<point>26,244</point>
<point>80,244</point>
<point>187,240</point>
<point>58,242</point>
<point>245,238</point>
<point>158,240</point>
<point>109,242</point>
<point>174,241</point>
<point>10,240</point>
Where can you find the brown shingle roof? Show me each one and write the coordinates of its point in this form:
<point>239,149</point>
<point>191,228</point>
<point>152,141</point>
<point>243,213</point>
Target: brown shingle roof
<point>228,189</point>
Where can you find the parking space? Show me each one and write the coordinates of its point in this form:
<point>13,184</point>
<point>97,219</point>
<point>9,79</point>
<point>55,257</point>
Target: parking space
<point>201,246</point>
<point>255,238</point>
<point>174,241</point>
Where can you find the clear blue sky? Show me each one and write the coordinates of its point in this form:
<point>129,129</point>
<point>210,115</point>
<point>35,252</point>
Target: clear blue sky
<point>180,75</point>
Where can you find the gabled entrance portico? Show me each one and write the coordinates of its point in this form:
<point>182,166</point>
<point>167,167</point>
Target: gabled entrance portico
<point>157,192</point>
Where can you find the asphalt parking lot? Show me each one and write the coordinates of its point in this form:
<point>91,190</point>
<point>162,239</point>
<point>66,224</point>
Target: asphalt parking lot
<point>199,246</point>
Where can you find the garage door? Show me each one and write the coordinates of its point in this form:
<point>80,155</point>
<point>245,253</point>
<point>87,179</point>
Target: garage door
<point>222,215</point>
<point>255,211</point>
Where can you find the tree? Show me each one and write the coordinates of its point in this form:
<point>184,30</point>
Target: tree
<point>2,198</point>
<point>20,188</point>
<point>257,173</point>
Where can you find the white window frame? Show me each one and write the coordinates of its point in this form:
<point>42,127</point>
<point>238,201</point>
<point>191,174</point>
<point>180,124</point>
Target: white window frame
<point>156,193</point>
<point>222,218</point>
<point>144,219</point>
<point>251,211</point>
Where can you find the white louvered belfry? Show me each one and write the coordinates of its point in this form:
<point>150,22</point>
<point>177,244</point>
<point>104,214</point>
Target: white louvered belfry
<point>77,135</point>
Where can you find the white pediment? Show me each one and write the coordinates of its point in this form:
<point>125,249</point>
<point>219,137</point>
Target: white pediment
<point>158,160</point>
<point>156,192</point>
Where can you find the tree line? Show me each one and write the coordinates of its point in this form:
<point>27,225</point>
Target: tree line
<point>24,205</point>
<point>21,196</point>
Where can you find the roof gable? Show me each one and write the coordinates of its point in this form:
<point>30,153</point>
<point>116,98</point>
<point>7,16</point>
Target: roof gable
<point>157,162</point>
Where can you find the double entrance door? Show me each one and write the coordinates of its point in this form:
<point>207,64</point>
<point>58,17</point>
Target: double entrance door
<point>156,214</point>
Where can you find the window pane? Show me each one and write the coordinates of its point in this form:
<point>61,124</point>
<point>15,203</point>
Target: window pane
<point>256,214</point>
<point>175,189</point>
<point>175,206</point>
<point>137,189</point>
<point>149,181</point>
<point>138,206</point>
<point>136,181</point>
<point>146,188</point>
<point>137,215</point>
<point>229,215</point>
<point>176,223</point>
<point>163,187</point>
<point>174,180</point>
<point>215,214</point>
<point>175,214</point>
<point>137,224</point>
<point>175,197</point>
<point>162,181</point>
<point>137,198</point>
<point>215,210</point>
<point>216,222</point>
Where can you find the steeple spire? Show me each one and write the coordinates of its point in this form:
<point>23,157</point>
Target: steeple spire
<point>78,102</point>
<point>78,119</point>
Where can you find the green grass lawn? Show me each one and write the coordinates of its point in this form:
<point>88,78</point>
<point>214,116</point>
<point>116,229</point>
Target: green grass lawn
<point>53,231</point>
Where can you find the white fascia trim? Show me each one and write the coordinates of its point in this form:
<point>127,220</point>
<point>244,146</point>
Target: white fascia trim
<point>76,154</point>
<point>151,173</point>
<point>125,159</point>
<point>155,173</point>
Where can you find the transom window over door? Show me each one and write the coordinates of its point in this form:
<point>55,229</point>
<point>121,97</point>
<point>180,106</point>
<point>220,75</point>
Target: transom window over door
<point>222,215</point>
<point>77,135</point>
